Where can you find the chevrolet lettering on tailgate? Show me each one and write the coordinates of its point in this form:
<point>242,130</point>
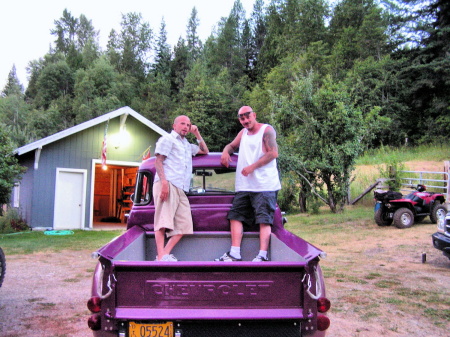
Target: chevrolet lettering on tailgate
<point>199,289</point>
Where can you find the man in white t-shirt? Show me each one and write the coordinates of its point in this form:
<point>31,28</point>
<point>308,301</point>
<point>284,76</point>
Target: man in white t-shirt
<point>257,183</point>
<point>173,176</point>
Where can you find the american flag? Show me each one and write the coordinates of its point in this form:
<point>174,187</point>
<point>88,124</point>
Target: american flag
<point>104,146</point>
<point>146,154</point>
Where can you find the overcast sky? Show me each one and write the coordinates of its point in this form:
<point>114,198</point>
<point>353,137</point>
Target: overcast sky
<point>25,24</point>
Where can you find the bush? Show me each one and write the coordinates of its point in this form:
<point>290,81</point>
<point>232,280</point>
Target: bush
<point>392,172</point>
<point>12,222</point>
<point>288,195</point>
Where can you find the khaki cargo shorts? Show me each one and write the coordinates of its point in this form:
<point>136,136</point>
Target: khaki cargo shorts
<point>174,214</point>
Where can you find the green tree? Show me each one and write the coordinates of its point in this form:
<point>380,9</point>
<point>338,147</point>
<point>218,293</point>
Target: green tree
<point>427,73</point>
<point>226,49</point>
<point>270,54</point>
<point>357,31</point>
<point>163,54</point>
<point>65,31</point>
<point>129,50</point>
<point>55,80</point>
<point>13,85</point>
<point>86,33</point>
<point>95,90</point>
<point>14,110</point>
<point>10,170</point>
<point>211,102</point>
<point>34,69</point>
<point>258,32</point>
<point>180,66</point>
<point>325,133</point>
<point>194,44</point>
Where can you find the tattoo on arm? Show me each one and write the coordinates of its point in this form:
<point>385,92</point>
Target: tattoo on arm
<point>231,149</point>
<point>270,141</point>
<point>160,167</point>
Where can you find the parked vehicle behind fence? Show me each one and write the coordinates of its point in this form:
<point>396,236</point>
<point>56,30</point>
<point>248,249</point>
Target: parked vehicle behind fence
<point>404,211</point>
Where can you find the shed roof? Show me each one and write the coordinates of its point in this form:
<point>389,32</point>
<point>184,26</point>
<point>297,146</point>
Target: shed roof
<point>83,126</point>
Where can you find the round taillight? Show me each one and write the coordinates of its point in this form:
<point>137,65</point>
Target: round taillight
<point>95,322</point>
<point>94,304</point>
<point>323,323</point>
<point>323,304</point>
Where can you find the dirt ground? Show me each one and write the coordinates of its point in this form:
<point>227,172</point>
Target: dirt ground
<point>46,294</point>
<point>377,284</point>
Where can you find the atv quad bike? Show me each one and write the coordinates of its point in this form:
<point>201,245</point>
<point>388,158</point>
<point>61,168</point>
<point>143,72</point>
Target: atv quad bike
<point>403,211</point>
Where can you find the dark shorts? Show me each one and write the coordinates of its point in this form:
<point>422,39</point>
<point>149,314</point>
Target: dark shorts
<point>253,207</point>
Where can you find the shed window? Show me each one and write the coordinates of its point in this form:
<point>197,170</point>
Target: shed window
<point>16,195</point>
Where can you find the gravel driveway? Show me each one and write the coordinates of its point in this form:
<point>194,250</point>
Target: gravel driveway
<point>366,279</point>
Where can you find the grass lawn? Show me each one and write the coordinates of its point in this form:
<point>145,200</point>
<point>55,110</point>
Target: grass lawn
<point>37,241</point>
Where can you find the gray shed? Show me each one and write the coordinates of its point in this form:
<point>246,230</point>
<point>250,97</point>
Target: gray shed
<point>66,186</point>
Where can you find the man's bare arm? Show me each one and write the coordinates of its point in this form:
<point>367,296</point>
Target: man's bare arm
<point>159,166</point>
<point>230,149</point>
<point>162,176</point>
<point>203,148</point>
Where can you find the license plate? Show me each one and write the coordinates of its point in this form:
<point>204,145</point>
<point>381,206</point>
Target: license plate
<point>150,330</point>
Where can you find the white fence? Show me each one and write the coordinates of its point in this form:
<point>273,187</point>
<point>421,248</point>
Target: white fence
<point>429,179</point>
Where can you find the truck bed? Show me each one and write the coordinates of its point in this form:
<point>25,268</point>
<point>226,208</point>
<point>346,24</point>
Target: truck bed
<point>205,247</point>
<point>215,290</point>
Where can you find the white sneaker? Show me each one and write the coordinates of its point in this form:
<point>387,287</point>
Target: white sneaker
<point>169,258</point>
<point>260,258</point>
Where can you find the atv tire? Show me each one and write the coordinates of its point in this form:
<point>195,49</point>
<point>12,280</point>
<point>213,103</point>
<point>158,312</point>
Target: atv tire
<point>2,266</point>
<point>403,218</point>
<point>381,219</point>
<point>439,211</point>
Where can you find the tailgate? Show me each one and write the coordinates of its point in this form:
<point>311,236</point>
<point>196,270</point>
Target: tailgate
<point>208,291</point>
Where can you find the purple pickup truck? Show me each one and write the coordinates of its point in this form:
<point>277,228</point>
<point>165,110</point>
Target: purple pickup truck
<point>135,296</point>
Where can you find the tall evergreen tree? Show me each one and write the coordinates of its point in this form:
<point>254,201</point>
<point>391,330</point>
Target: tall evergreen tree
<point>65,31</point>
<point>270,54</point>
<point>227,49</point>
<point>163,55</point>
<point>180,65</point>
<point>194,44</point>
<point>13,85</point>
<point>428,73</point>
<point>357,31</point>
<point>130,50</point>
<point>258,31</point>
<point>86,33</point>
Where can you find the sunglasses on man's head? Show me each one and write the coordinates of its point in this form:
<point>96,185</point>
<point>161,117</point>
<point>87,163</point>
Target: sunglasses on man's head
<point>244,115</point>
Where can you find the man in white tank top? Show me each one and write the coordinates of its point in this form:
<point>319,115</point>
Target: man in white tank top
<point>257,183</point>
